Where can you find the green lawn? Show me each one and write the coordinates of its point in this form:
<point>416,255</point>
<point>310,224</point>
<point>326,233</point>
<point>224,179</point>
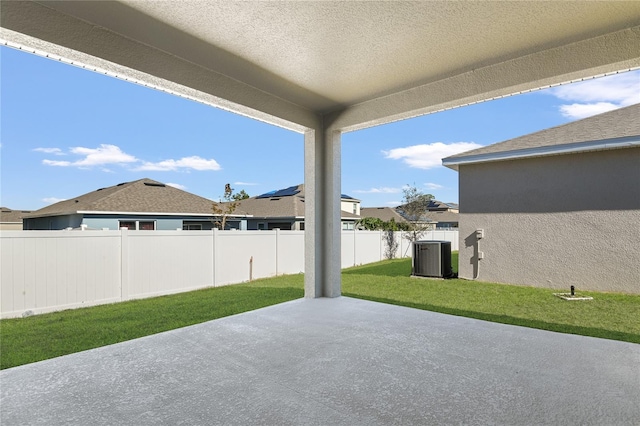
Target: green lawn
<point>25,340</point>
<point>609,315</point>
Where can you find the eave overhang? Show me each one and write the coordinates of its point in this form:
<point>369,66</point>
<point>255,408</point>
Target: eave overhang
<point>543,151</point>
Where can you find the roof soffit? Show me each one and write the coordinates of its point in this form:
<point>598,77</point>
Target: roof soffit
<point>326,48</point>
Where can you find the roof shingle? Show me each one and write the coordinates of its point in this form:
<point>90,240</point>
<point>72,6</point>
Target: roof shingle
<point>12,216</point>
<point>140,196</point>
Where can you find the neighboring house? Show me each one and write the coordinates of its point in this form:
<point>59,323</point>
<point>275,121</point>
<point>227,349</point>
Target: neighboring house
<point>385,214</point>
<point>439,206</point>
<point>143,204</point>
<point>284,209</point>
<point>443,219</point>
<point>555,208</point>
<point>11,220</point>
<point>445,215</point>
<point>437,215</point>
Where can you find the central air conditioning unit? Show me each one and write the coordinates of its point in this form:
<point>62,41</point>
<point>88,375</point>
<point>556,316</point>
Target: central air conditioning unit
<point>432,259</point>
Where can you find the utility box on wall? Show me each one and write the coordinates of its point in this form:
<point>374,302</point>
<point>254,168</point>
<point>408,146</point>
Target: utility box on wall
<point>432,259</point>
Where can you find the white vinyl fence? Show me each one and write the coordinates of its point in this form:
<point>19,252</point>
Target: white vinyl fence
<point>44,271</point>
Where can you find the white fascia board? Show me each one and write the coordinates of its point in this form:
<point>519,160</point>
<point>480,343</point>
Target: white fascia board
<point>544,151</point>
<point>159,214</point>
<point>35,216</point>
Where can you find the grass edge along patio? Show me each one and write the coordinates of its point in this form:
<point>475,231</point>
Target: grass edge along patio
<point>31,339</point>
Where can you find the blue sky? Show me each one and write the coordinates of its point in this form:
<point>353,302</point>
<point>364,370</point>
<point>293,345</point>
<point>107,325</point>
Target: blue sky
<point>66,131</point>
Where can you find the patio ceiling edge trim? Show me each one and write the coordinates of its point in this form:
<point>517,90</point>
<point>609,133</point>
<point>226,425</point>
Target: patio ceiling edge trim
<point>26,25</point>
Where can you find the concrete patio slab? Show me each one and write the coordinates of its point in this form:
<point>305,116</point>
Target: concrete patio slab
<point>335,361</point>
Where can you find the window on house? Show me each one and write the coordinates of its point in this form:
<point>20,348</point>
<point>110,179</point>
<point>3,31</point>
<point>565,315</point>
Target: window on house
<point>355,208</point>
<point>147,226</point>
<point>134,225</point>
<point>261,226</point>
<point>347,226</point>
<point>192,227</point>
<point>302,226</point>
<point>280,226</point>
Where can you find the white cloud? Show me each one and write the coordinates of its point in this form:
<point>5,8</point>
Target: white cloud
<point>107,154</point>
<point>428,156</point>
<point>433,186</point>
<point>383,190</point>
<point>104,154</point>
<point>53,200</point>
<point>578,111</point>
<point>599,95</point>
<point>57,163</point>
<point>194,162</point>
<point>245,183</point>
<point>177,185</point>
<point>54,151</point>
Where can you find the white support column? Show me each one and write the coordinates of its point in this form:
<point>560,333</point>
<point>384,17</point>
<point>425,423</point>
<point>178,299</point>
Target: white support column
<point>322,213</point>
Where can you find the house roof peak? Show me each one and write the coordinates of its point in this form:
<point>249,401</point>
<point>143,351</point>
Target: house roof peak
<point>139,196</point>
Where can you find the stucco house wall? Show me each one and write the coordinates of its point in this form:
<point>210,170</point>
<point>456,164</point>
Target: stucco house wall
<point>554,221</point>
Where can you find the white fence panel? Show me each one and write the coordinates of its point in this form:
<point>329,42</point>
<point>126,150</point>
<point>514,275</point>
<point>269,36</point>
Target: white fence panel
<point>44,271</point>
<point>369,247</point>
<point>234,251</point>
<point>347,248</point>
<point>164,262</point>
<point>442,235</point>
<point>290,252</point>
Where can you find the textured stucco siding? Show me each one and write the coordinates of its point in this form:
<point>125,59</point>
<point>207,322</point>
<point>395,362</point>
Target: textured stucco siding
<point>554,222</point>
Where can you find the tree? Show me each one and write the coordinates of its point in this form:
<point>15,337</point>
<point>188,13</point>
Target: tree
<point>239,196</point>
<point>390,243</point>
<point>226,206</point>
<point>370,223</point>
<point>413,209</point>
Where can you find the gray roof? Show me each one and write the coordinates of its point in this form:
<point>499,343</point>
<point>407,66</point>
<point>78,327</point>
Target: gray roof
<point>435,212</point>
<point>12,216</point>
<point>382,213</point>
<point>265,206</point>
<point>614,129</point>
<point>140,196</point>
<point>439,205</point>
<point>449,217</point>
<point>287,206</point>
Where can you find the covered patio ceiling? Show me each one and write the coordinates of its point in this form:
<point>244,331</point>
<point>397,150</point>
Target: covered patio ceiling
<point>366,62</point>
<point>326,67</point>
